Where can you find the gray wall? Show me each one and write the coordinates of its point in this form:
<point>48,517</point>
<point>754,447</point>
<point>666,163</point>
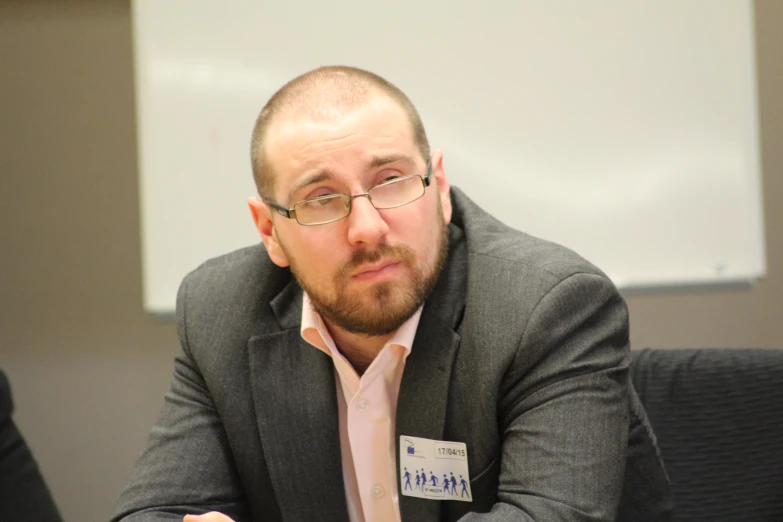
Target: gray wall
<point>88,367</point>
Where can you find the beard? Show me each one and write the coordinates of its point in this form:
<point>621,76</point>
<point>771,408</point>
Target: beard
<point>384,307</point>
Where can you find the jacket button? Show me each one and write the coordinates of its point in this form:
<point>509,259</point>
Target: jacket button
<point>377,491</point>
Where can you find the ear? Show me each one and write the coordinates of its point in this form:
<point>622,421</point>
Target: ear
<point>442,184</point>
<point>262,218</point>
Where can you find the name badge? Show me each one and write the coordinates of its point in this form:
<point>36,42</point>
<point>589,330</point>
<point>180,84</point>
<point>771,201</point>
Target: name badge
<point>434,469</point>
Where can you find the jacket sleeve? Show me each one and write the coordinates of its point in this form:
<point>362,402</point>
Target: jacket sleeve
<point>187,466</point>
<point>564,408</point>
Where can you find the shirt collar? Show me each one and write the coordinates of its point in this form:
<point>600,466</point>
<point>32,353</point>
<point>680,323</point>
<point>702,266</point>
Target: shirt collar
<point>313,330</point>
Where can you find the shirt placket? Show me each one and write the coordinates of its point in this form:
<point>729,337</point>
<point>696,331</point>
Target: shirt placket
<point>369,430</point>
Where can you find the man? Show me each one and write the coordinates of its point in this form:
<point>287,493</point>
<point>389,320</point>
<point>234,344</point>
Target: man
<point>385,311</point>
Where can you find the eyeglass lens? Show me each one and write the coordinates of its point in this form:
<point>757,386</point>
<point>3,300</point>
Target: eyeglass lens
<point>395,193</point>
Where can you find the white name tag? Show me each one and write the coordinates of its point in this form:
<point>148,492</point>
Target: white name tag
<point>434,469</point>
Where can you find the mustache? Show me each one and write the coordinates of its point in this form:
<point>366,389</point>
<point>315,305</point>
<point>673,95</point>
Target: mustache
<point>362,256</point>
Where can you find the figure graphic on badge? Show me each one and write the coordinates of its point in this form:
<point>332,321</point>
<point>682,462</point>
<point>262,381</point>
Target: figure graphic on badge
<point>439,467</point>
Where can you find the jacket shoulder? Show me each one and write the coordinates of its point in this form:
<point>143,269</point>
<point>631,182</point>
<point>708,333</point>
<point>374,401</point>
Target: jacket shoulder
<point>492,243</point>
<point>230,296</point>
<point>236,275</point>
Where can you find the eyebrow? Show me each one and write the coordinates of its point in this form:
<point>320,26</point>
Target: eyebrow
<point>317,177</point>
<point>379,161</point>
<point>324,175</point>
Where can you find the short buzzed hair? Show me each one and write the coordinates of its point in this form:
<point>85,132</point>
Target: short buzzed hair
<point>324,93</point>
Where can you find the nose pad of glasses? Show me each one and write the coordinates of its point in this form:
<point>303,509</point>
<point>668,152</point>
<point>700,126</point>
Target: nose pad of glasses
<point>365,195</point>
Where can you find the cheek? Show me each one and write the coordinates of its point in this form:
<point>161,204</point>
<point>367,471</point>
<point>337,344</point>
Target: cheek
<point>316,255</point>
<point>421,237</point>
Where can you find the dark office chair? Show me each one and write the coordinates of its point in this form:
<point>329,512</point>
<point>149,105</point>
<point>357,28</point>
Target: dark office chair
<point>24,496</point>
<point>718,418</point>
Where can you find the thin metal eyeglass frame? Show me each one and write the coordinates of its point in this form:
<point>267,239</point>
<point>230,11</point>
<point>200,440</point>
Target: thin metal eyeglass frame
<point>290,213</point>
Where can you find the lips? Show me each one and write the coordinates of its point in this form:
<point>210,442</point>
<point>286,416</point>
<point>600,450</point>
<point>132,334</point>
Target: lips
<point>374,269</point>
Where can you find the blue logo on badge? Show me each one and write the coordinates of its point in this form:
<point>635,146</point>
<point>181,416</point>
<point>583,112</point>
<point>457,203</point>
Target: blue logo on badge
<point>409,448</point>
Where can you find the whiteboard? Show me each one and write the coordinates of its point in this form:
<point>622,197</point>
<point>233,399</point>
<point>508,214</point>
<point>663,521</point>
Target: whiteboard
<point>624,129</point>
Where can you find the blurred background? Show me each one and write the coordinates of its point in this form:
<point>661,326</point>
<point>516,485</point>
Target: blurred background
<point>88,366</point>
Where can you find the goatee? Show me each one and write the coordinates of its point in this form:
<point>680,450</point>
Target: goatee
<point>386,306</point>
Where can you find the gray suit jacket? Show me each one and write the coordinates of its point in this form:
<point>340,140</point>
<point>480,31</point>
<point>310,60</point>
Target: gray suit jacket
<point>521,353</point>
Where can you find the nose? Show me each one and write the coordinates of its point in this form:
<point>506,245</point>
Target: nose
<point>366,226</point>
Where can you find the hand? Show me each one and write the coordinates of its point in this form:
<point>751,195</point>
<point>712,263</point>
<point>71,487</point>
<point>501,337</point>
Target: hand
<point>212,516</point>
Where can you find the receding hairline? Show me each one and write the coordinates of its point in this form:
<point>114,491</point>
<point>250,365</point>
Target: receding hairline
<point>325,93</point>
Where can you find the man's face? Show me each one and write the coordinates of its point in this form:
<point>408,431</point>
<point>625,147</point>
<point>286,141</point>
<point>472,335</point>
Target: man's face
<point>371,271</point>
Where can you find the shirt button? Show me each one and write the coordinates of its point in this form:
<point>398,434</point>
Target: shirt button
<point>377,491</point>
<point>362,405</point>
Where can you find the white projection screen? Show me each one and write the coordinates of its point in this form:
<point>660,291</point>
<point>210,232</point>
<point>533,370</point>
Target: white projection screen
<point>625,130</point>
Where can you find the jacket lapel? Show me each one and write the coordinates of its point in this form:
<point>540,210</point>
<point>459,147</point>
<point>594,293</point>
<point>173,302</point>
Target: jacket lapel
<point>295,402</point>
<point>421,406</point>
<point>423,398</point>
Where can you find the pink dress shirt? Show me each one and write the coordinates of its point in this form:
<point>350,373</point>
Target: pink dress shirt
<point>367,408</point>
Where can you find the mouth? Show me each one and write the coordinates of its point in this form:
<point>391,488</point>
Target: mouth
<point>376,271</point>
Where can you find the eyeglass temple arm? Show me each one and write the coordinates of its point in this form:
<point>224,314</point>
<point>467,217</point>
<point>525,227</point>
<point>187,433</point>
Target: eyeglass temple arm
<point>283,211</point>
<point>427,178</point>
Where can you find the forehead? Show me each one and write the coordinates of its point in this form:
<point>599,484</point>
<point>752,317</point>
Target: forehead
<point>295,146</point>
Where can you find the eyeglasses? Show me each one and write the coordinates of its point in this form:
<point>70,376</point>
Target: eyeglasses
<point>392,193</point>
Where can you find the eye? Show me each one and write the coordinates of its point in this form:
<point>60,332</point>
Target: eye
<point>319,193</point>
<point>388,175</point>
<point>323,200</point>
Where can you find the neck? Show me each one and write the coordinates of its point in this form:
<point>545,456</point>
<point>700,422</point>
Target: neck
<point>360,350</point>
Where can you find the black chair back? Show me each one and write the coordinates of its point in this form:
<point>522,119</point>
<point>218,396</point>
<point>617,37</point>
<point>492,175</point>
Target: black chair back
<point>718,418</point>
